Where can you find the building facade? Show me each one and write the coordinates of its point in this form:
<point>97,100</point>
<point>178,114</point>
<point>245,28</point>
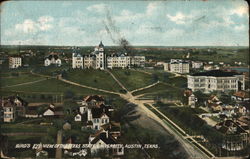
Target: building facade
<point>15,62</point>
<point>179,66</point>
<point>216,80</point>
<point>13,107</point>
<point>118,61</point>
<point>99,60</point>
<point>77,60</point>
<point>52,60</point>
<point>197,64</point>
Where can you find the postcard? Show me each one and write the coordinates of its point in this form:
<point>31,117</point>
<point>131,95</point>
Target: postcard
<point>116,79</point>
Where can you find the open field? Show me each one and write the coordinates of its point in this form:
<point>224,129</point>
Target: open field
<point>23,128</point>
<point>94,78</point>
<point>49,87</point>
<point>20,78</point>
<point>132,79</point>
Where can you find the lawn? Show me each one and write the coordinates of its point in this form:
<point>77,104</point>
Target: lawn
<point>94,78</point>
<point>132,79</point>
<point>21,78</point>
<point>51,70</point>
<point>50,86</point>
<point>17,128</point>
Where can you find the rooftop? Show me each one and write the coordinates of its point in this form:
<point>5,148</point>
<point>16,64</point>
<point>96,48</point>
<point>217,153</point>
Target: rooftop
<point>216,73</point>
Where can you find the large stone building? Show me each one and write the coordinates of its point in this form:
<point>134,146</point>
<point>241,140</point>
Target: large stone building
<point>15,62</point>
<point>77,60</point>
<point>99,60</point>
<point>216,80</point>
<point>179,66</point>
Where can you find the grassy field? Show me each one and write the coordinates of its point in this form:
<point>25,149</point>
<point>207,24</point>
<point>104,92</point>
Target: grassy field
<point>15,128</point>
<point>51,70</point>
<point>21,78</point>
<point>132,79</point>
<point>51,86</point>
<point>94,78</point>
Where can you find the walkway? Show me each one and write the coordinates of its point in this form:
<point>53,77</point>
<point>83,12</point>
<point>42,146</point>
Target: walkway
<point>26,83</point>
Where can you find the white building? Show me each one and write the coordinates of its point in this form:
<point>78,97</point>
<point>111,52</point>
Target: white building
<point>12,107</point>
<point>166,66</point>
<point>216,80</point>
<point>98,116</point>
<point>15,62</point>
<point>179,66</point>
<point>196,64</point>
<point>137,61</point>
<point>118,61</point>
<point>77,60</point>
<point>52,60</point>
<point>98,60</point>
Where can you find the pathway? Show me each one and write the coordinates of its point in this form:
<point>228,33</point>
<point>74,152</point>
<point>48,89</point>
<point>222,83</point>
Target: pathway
<point>26,83</point>
<point>139,89</point>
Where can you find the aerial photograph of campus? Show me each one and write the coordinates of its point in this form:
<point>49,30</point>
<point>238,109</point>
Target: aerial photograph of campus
<point>112,79</point>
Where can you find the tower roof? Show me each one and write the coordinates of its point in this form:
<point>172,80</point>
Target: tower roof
<point>101,44</point>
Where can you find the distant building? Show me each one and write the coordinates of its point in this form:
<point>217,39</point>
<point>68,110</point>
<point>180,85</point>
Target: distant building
<point>208,67</point>
<point>99,60</point>
<point>236,135</point>
<point>77,60</point>
<point>101,140</point>
<point>241,96</point>
<point>191,99</point>
<point>13,107</point>
<point>96,59</point>
<point>166,66</point>
<point>179,66</point>
<point>216,80</point>
<point>52,60</point>
<point>98,116</point>
<point>15,62</point>
<point>196,64</point>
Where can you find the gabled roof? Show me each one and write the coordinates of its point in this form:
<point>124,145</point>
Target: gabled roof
<point>10,101</point>
<point>225,126</point>
<point>242,94</point>
<point>98,112</point>
<point>52,56</point>
<point>107,139</point>
<point>97,98</point>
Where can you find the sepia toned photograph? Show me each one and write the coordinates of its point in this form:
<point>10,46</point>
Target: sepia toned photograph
<point>124,79</point>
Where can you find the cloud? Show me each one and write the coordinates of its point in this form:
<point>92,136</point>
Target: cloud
<point>99,8</point>
<point>128,16</point>
<point>43,23</point>
<point>179,18</point>
<point>240,11</point>
<point>28,26</point>
<point>239,27</point>
<point>152,8</point>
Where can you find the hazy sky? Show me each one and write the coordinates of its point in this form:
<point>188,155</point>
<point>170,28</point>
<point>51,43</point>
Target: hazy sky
<point>165,23</point>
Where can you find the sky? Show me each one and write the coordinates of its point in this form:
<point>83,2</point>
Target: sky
<point>148,23</point>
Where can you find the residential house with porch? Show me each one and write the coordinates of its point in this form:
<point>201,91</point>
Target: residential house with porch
<point>13,107</point>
